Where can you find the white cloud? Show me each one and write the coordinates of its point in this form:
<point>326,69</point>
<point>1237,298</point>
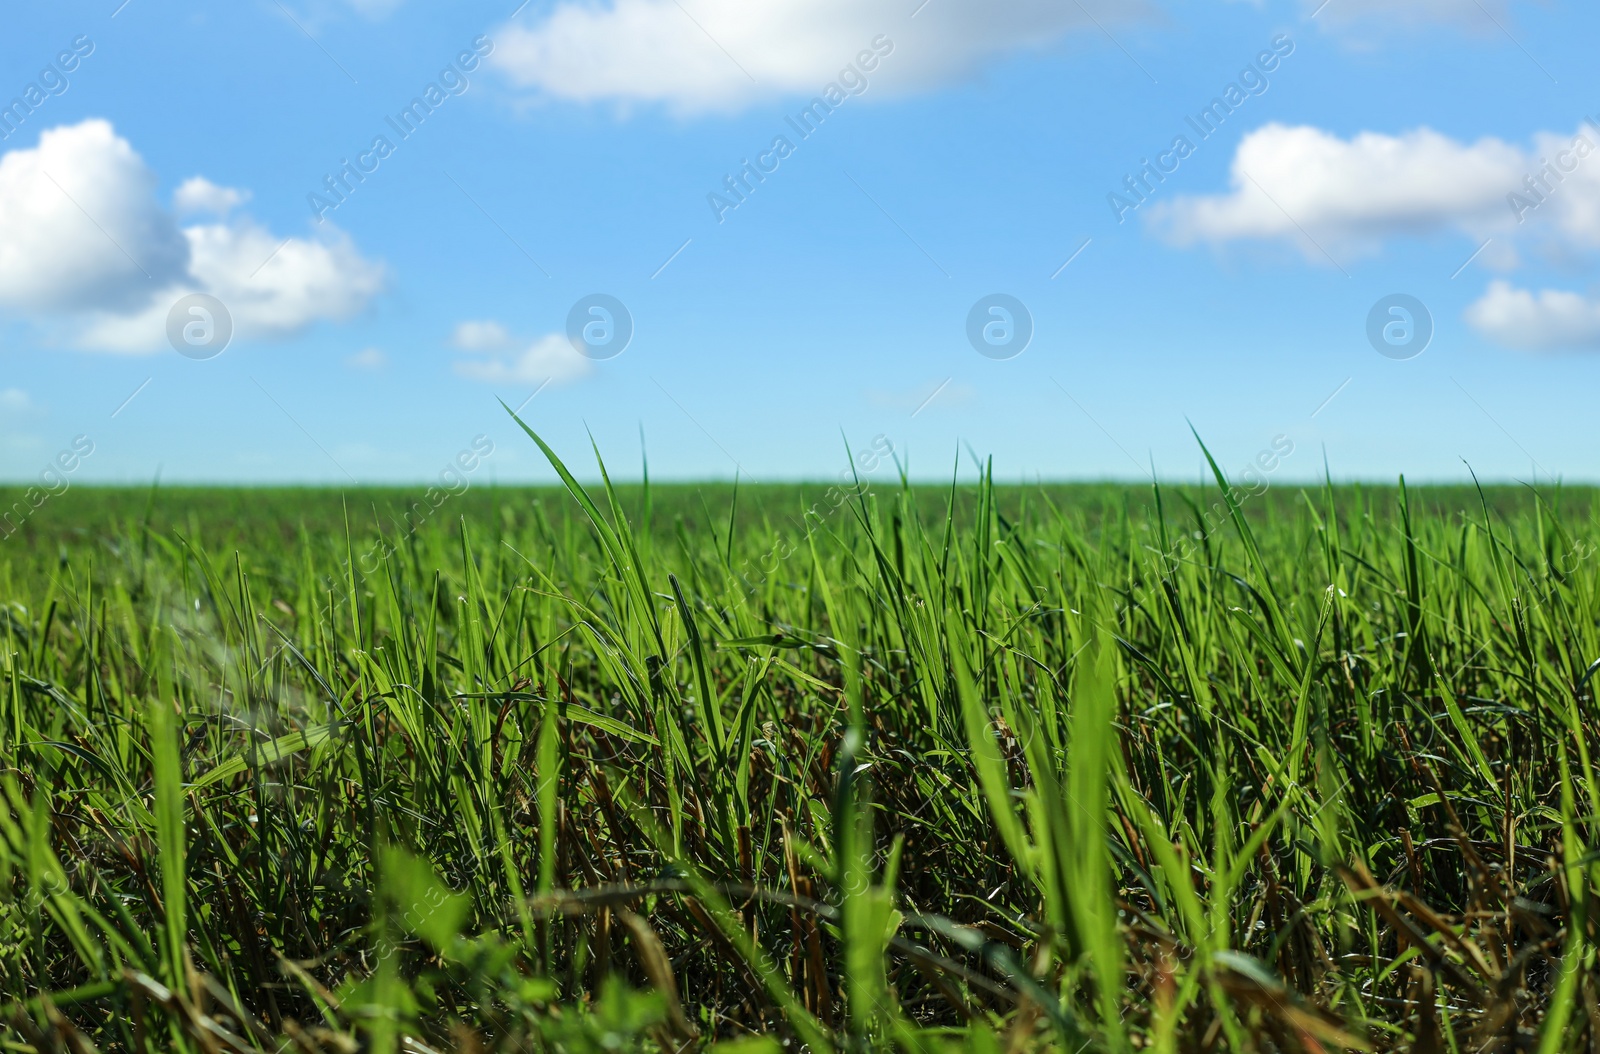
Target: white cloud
<point>1549,320</point>
<point>80,226</point>
<point>370,359</point>
<point>1312,188</point>
<point>14,401</point>
<point>1319,192</point>
<point>486,335</point>
<point>276,289</point>
<point>723,55</point>
<point>550,358</point>
<point>101,250</point>
<point>1290,182</point>
<point>199,194</point>
<point>269,295</point>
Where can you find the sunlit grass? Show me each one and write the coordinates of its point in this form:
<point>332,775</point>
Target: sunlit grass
<point>975,767</point>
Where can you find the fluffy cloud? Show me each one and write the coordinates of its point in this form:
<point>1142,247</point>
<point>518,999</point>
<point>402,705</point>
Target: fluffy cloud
<point>199,194</point>
<point>14,401</point>
<point>1351,194</point>
<point>722,55</point>
<point>550,358</point>
<point>268,295</point>
<point>81,232</point>
<point>80,226</point>
<point>481,336</point>
<point>1549,320</point>
<point>368,359</point>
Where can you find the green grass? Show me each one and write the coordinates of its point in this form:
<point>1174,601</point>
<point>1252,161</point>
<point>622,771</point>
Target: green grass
<point>975,767</point>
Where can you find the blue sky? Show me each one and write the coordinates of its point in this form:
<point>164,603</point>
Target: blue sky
<point>167,149</point>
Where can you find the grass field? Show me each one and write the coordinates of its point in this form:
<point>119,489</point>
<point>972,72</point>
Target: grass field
<point>975,767</point>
